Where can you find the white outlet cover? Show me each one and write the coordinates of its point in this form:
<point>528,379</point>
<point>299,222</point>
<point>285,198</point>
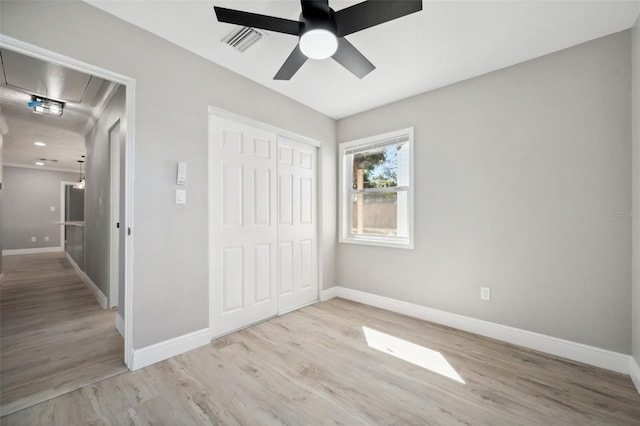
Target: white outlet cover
<point>46,238</point>
<point>181,196</point>
<point>33,239</point>
<point>485,293</point>
<point>53,208</point>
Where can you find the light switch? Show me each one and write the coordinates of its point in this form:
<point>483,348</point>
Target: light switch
<point>181,177</point>
<point>181,196</point>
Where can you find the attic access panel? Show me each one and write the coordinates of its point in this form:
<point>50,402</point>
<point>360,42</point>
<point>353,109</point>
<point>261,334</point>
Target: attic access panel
<point>45,79</point>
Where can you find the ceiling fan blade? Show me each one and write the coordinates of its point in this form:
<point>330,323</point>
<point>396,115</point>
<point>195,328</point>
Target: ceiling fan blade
<point>255,20</point>
<point>371,13</point>
<point>315,8</point>
<point>351,58</point>
<point>293,63</point>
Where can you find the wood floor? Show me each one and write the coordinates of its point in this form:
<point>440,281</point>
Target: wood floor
<point>314,366</point>
<point>54,336</point>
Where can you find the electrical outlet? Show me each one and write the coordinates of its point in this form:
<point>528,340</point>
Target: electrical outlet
<point>46,238</point>
<point>53,208</point>
<point>34,239</point>
<point>485,293</point>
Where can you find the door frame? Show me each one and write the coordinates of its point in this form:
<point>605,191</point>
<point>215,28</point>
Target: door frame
<point>63,210</point>
<point>114,233</point>
<point>228,115</point>
<point>37,52</point>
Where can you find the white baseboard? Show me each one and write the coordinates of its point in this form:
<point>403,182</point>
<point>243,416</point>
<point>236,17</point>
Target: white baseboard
<point>586,354</point>
<point>100,297</point>
<point>170,348</point>
<point>120,324</point>
<point>329,293</point>
<point>35,250</point>
<point>635,373</point>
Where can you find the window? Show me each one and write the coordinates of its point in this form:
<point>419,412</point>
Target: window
<point>376,190</point>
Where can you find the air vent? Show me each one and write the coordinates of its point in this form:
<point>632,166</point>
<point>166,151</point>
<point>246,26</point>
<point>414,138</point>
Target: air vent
<point>242,38</point>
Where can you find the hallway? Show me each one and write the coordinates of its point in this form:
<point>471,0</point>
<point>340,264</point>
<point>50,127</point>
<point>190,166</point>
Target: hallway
<point>54,337</point>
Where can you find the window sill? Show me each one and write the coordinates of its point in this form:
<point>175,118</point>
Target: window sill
<point>372,241</point>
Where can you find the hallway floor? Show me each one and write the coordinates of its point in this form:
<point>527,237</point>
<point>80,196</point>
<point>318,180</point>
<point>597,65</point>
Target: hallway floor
<point>55,338</point>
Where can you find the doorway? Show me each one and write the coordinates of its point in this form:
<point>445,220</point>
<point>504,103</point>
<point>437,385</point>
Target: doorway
<point>263,223</point>
<point>126,174</point>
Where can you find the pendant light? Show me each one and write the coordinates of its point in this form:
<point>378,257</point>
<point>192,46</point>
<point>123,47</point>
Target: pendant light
<point>81,181</point>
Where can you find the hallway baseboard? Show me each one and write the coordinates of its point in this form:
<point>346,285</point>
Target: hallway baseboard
<point>35,250</point>
<point>100,297</point>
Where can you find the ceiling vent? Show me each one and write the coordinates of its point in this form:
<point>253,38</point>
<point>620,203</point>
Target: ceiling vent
<point>242,38</point>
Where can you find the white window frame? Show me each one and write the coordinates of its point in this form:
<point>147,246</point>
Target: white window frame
<point>346,236</point>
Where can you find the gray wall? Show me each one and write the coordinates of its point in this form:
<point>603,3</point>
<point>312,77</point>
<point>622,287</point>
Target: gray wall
<point>174,89</point>
<point>514,172</point>
<point>635,120</point>
<point>26,209</point>
<point>98,193</point>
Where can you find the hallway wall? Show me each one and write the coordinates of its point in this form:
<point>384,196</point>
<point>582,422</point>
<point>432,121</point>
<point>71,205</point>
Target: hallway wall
<point>28,196</point>
<point>98,192</point>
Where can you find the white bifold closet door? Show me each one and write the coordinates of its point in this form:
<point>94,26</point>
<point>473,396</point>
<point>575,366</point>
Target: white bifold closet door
<point>297,224</point>
<point>243,256</point>
<point>260,186</point>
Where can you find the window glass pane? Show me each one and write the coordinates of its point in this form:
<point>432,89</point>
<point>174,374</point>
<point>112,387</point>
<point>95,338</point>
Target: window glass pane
<point>379,213</point>
<point>381,167</point>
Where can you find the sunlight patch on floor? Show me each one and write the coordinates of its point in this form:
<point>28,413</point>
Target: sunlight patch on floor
<point>410,352</point>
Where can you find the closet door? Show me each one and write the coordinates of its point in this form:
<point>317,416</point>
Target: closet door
<point>243,208</point>
<point>297,224</point>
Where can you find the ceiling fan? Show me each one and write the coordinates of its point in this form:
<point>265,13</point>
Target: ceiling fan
<point>322,31</point>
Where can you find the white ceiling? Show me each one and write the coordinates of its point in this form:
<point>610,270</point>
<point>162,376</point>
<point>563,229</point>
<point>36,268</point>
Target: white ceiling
<point>449,41</point>
<point>84,97</point>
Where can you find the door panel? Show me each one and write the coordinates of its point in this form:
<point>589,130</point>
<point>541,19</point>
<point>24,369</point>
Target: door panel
<point>243,200</point>
<point>297,224</point>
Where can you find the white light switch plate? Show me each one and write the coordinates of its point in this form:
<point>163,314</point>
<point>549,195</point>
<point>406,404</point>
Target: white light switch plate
<point>181,177</point>
<point>181,196</point>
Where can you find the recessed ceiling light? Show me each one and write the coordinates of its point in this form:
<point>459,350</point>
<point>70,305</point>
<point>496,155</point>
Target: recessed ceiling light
<point>39,163</point>
<point>40,143</point>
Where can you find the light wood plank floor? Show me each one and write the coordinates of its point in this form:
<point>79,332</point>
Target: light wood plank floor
<point>314,366</point>
<point>54,336</point>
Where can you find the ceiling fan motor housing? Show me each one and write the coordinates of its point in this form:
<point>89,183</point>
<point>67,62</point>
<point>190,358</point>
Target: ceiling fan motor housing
<point>318,21</point>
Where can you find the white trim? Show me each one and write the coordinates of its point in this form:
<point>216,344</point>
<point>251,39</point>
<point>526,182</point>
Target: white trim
<point>63,210</point>
<point>120,324</point>
<point>228,115</point>
<point>114,194</point>
<point>100,297</point>
<point>29,166</point>
<point>130,83</point>
<point>35,250</point>
<point>1,277</point>
<point>586,354</point>
<point>328,294</point>
<point>344,235</point>
<point>170,348</point>
<point>635,373</point>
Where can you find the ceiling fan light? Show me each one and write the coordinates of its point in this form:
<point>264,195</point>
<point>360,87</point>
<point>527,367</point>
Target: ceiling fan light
<point>318,44</point>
